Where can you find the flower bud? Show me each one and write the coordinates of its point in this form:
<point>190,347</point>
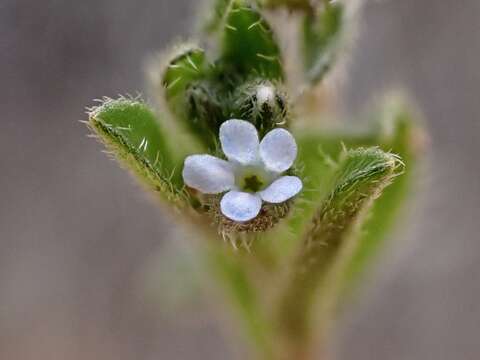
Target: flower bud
<point>261,103</point>
<point>204,110</point>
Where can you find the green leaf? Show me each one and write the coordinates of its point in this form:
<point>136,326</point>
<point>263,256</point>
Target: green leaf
<point>318,152</point>
<point>401,135</point>
<point>321,34</point>
<point>359,179</point>
<point>130,131</point>
<point>186,65</point>
<point>248,45</point>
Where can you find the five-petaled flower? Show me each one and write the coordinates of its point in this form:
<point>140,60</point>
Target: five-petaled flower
<point>252,174</point>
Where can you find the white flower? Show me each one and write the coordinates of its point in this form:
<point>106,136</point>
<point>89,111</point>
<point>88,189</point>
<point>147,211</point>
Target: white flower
<point>252,173</point>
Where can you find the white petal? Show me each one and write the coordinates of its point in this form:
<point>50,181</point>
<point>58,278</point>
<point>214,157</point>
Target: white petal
<point>278,150</point>
<point>208,174</point>
<point>282,189</point>
<point>239,141</point>
<point>240,206</point>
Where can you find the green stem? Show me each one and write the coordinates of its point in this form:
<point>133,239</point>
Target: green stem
<point>230,270</point>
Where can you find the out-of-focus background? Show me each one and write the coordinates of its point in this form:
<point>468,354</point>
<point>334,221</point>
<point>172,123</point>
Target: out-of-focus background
<point>76,234</point>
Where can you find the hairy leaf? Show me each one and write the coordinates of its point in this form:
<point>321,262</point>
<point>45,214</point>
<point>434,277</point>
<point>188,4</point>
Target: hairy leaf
<point>401,135</point>
<point>393,129</point>
<point>186,66</point>
<point>318,153</point>
<point>130,131</point>
<point>248,45</point>
<point>360,178</point>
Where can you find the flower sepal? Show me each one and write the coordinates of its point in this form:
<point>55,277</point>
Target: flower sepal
<point>268,216</point>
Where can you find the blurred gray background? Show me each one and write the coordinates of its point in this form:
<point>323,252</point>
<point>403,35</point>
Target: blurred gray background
<point>76,233</point>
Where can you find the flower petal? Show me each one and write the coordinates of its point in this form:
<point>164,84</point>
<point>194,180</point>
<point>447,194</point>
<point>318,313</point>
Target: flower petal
<point>278,150</point>
<point>239,141</point>
<point>208,174</point>
<point>240,206</point>
<point>282,189</point>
